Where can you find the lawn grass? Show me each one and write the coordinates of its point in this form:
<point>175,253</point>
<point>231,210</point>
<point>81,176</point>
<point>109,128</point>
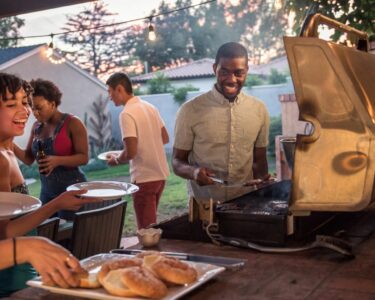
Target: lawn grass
<point>173,201</point>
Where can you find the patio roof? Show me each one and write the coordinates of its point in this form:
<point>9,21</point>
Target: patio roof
<point>16,7</point>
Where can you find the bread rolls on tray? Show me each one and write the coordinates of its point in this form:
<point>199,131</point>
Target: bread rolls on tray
<point>147,275</point>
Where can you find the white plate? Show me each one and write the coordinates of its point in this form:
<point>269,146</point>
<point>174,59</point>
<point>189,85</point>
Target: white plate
<point>15,204</point>
<point>104,155</point>
<point>92,264</point>
<point>106,190</point>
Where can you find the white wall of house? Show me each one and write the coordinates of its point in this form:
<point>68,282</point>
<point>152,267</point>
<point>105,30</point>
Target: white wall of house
<point>79,89</point>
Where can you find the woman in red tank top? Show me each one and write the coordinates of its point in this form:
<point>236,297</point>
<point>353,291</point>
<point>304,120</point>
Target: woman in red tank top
<point>63,138</point>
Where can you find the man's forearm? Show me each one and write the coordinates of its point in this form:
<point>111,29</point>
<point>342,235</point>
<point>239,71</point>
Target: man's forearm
<point>260,169</point>
<point>260,164</point>
<point>123,157</point>
<point>184,170</point>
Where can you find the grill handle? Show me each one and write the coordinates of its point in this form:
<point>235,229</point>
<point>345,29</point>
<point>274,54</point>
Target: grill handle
<point>312,22</point>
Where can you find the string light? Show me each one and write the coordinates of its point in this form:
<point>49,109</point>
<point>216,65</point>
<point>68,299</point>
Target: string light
<point>113,24</point>
<point>51,54</point>
<point>151,31</point>
<point>49,51</point>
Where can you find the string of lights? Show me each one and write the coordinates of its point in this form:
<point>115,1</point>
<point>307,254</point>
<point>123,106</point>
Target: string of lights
<point>149,18</point>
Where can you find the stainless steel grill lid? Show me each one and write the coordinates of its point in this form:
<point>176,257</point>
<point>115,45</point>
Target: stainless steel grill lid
<point>335,90</point>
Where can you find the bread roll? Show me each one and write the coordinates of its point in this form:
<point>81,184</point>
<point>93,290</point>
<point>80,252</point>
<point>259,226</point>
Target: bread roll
<point>117,264</point>
<point>87,280</point>
<point>144,283</point>
<point>174,271</point>
<point>113,284</point>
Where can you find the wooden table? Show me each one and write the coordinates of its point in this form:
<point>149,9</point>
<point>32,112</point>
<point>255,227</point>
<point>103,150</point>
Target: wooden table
<point>314,274</point>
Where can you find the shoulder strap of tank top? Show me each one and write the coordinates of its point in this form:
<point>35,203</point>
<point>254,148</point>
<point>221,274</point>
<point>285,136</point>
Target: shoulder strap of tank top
<point>37,129</point>
<point>61,124</point>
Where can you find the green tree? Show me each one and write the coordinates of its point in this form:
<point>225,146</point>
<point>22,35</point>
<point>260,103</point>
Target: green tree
<point>262,27</point>
<point>356,13</point>
<point>159,85</point>
<point>171,45</point>
<point>9,28</point>
<point>197,33</point>
<point>210,29</point>
<point>97,49</point>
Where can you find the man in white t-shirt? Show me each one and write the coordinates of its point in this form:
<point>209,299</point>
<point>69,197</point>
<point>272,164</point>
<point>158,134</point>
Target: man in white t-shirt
<point>144,134</point>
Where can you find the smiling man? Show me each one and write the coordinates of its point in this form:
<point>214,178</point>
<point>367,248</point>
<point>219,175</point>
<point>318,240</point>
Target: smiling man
<point>223,133</point>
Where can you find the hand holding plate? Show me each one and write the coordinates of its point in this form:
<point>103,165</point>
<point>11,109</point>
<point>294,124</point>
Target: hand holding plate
<point>71,200</point>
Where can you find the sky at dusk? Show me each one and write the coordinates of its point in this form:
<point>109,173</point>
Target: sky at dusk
<point>52,20</point>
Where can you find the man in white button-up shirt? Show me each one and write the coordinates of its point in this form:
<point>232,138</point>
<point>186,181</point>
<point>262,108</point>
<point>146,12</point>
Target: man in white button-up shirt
<point>223,133</point>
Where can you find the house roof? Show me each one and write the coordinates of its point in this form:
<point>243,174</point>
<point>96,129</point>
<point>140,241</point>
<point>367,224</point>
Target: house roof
<point>203,68</point>
<point>197,69</point>
<point>8,54</point>
<point>280,64</point>
<point>12,56</point>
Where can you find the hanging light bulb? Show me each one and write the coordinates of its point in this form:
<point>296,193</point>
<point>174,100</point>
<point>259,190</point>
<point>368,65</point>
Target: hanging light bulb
<point>49,51</point>
<point>52,56</point>
<point>151,31</point>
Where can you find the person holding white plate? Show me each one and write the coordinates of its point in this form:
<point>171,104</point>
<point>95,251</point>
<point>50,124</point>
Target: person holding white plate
<point>14,113</point>
<point>144,134</point>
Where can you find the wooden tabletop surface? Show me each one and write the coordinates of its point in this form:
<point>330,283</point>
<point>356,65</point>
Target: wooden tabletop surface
<point>313,274</point>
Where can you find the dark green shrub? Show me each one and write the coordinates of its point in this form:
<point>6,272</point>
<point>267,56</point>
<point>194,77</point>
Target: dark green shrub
<point>159,84</point>
<point>277,77</point>
<point>179,95</point>
<point>253,80</point>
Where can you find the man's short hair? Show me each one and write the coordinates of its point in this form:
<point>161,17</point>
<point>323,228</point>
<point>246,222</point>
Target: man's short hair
<point>231,50</point>
<point>120,78</point>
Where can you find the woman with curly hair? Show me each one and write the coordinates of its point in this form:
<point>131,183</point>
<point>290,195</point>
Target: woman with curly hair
<point>14,113</point>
